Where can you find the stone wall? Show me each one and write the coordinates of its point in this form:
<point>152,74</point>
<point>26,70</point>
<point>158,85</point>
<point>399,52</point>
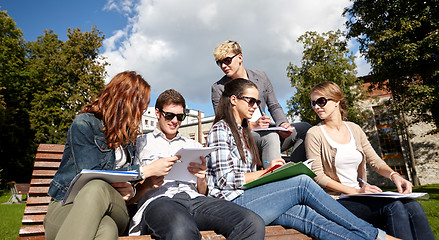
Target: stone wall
<point>426,152</point>
<point>425,149</point>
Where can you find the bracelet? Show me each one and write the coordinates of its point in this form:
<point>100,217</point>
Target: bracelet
<point>391,174</point>
<point>135,191</point>
<point>141,172</point>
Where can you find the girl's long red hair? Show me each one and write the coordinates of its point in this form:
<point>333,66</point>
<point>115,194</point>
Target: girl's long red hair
<point>120,105</point>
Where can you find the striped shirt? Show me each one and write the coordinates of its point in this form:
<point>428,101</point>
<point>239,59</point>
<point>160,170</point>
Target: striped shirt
<point>225,169</point>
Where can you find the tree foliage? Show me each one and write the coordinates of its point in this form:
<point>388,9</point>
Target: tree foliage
<point>15,132</point>
<point>43,85</point>
<point>66,75</point>
<point>325,58</point>
<point>400,39</point>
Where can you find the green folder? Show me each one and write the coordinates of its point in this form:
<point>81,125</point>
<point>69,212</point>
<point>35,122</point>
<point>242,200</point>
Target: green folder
<point>286,171</point>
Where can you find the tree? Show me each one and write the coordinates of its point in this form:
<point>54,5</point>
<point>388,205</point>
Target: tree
<point>43,85</point>
<point>66,75</point>
<point>325,58</point>
<point>400,39</point>
<point>16,145</point>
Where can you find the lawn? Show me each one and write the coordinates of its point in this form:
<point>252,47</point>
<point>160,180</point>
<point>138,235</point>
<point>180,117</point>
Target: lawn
<point>10,217</point>
<point>431,206</point>
<point>11,214</point>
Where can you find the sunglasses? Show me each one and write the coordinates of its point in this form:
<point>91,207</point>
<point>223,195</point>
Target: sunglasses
<point>321,102</point>
<point>169,116</point>
<point>226,60</point>
<point>251,101</point>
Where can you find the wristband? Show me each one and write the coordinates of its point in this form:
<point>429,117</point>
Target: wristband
<point>135,191</point>
<point>141,173</point>
<point>391,174</point>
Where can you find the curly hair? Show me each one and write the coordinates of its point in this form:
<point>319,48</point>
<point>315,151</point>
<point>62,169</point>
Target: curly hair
<point>120,105</point>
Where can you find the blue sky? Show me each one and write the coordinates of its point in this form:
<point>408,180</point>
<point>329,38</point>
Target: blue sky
<point>33,17</point>
<point>171,42</point>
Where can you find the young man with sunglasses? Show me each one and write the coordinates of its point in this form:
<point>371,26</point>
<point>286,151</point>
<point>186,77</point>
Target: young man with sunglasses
<point>171,209</point>
<point>229,58</point>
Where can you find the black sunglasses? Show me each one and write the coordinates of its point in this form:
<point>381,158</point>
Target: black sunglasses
<point>226,60</point>
<point>251,101</point>
<point>321,102</point>
<point>169,116</point>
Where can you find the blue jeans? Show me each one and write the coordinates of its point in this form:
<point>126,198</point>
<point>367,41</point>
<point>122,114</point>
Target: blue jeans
<point>401,218</point>
<point>181,217</point>
<point>301,204</point>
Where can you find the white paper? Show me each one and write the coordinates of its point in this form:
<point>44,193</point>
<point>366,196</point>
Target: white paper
<point>395,195</point>
<point>86,175</point>
<point>291,129</point>
<point>179,170</point>
<point>256,115</point>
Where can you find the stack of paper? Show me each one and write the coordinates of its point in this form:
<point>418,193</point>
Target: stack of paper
<point>86,175</point>
<point>179,170</point>
<point>388,195</point>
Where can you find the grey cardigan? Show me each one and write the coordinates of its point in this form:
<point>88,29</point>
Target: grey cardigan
<point>266,94</point>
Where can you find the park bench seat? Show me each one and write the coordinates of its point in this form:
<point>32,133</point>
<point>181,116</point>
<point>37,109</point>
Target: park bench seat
<point>47,160</point>
<point>18,190</point>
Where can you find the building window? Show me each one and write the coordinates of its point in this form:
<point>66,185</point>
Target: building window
<point>192,136</point>
<point>391,150</point>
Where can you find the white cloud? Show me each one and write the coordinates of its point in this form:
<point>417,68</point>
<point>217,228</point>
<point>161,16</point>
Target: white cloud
<point>121,6</point>
<point>171,42</point>
<point>110,43</point>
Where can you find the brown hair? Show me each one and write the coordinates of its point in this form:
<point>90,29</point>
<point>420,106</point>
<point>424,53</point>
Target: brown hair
<point>170,96</point>
<point>332,91</point>
<point>120,105</point>
<point>224,112</point>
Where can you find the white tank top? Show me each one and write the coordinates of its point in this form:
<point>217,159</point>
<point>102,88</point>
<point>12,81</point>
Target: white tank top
<point>347,160</point>
<point>120,157</point>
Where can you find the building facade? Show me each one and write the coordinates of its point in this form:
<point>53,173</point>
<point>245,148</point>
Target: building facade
<point>409,150</point>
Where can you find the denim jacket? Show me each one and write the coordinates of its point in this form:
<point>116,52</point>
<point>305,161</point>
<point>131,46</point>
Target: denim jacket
<point>86,148</point>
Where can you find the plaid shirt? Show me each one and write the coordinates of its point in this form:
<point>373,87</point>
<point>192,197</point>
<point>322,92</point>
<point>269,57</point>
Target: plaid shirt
<point>225,169</point>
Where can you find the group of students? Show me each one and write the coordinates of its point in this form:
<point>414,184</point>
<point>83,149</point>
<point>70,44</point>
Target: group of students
<point>105,136</point>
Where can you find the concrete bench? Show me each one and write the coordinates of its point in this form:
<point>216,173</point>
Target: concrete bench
<point>47,160</point>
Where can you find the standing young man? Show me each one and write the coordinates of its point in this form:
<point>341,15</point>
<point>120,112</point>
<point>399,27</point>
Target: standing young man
<point>228,56</point>
<point>178,209</point>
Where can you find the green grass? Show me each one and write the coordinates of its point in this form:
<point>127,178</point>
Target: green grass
<point>10,217</point>
<point>11,214</point>
<point>431,206</point>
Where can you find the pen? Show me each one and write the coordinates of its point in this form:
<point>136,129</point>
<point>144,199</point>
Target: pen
<point>363,181</point>
<point>260,109</point>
